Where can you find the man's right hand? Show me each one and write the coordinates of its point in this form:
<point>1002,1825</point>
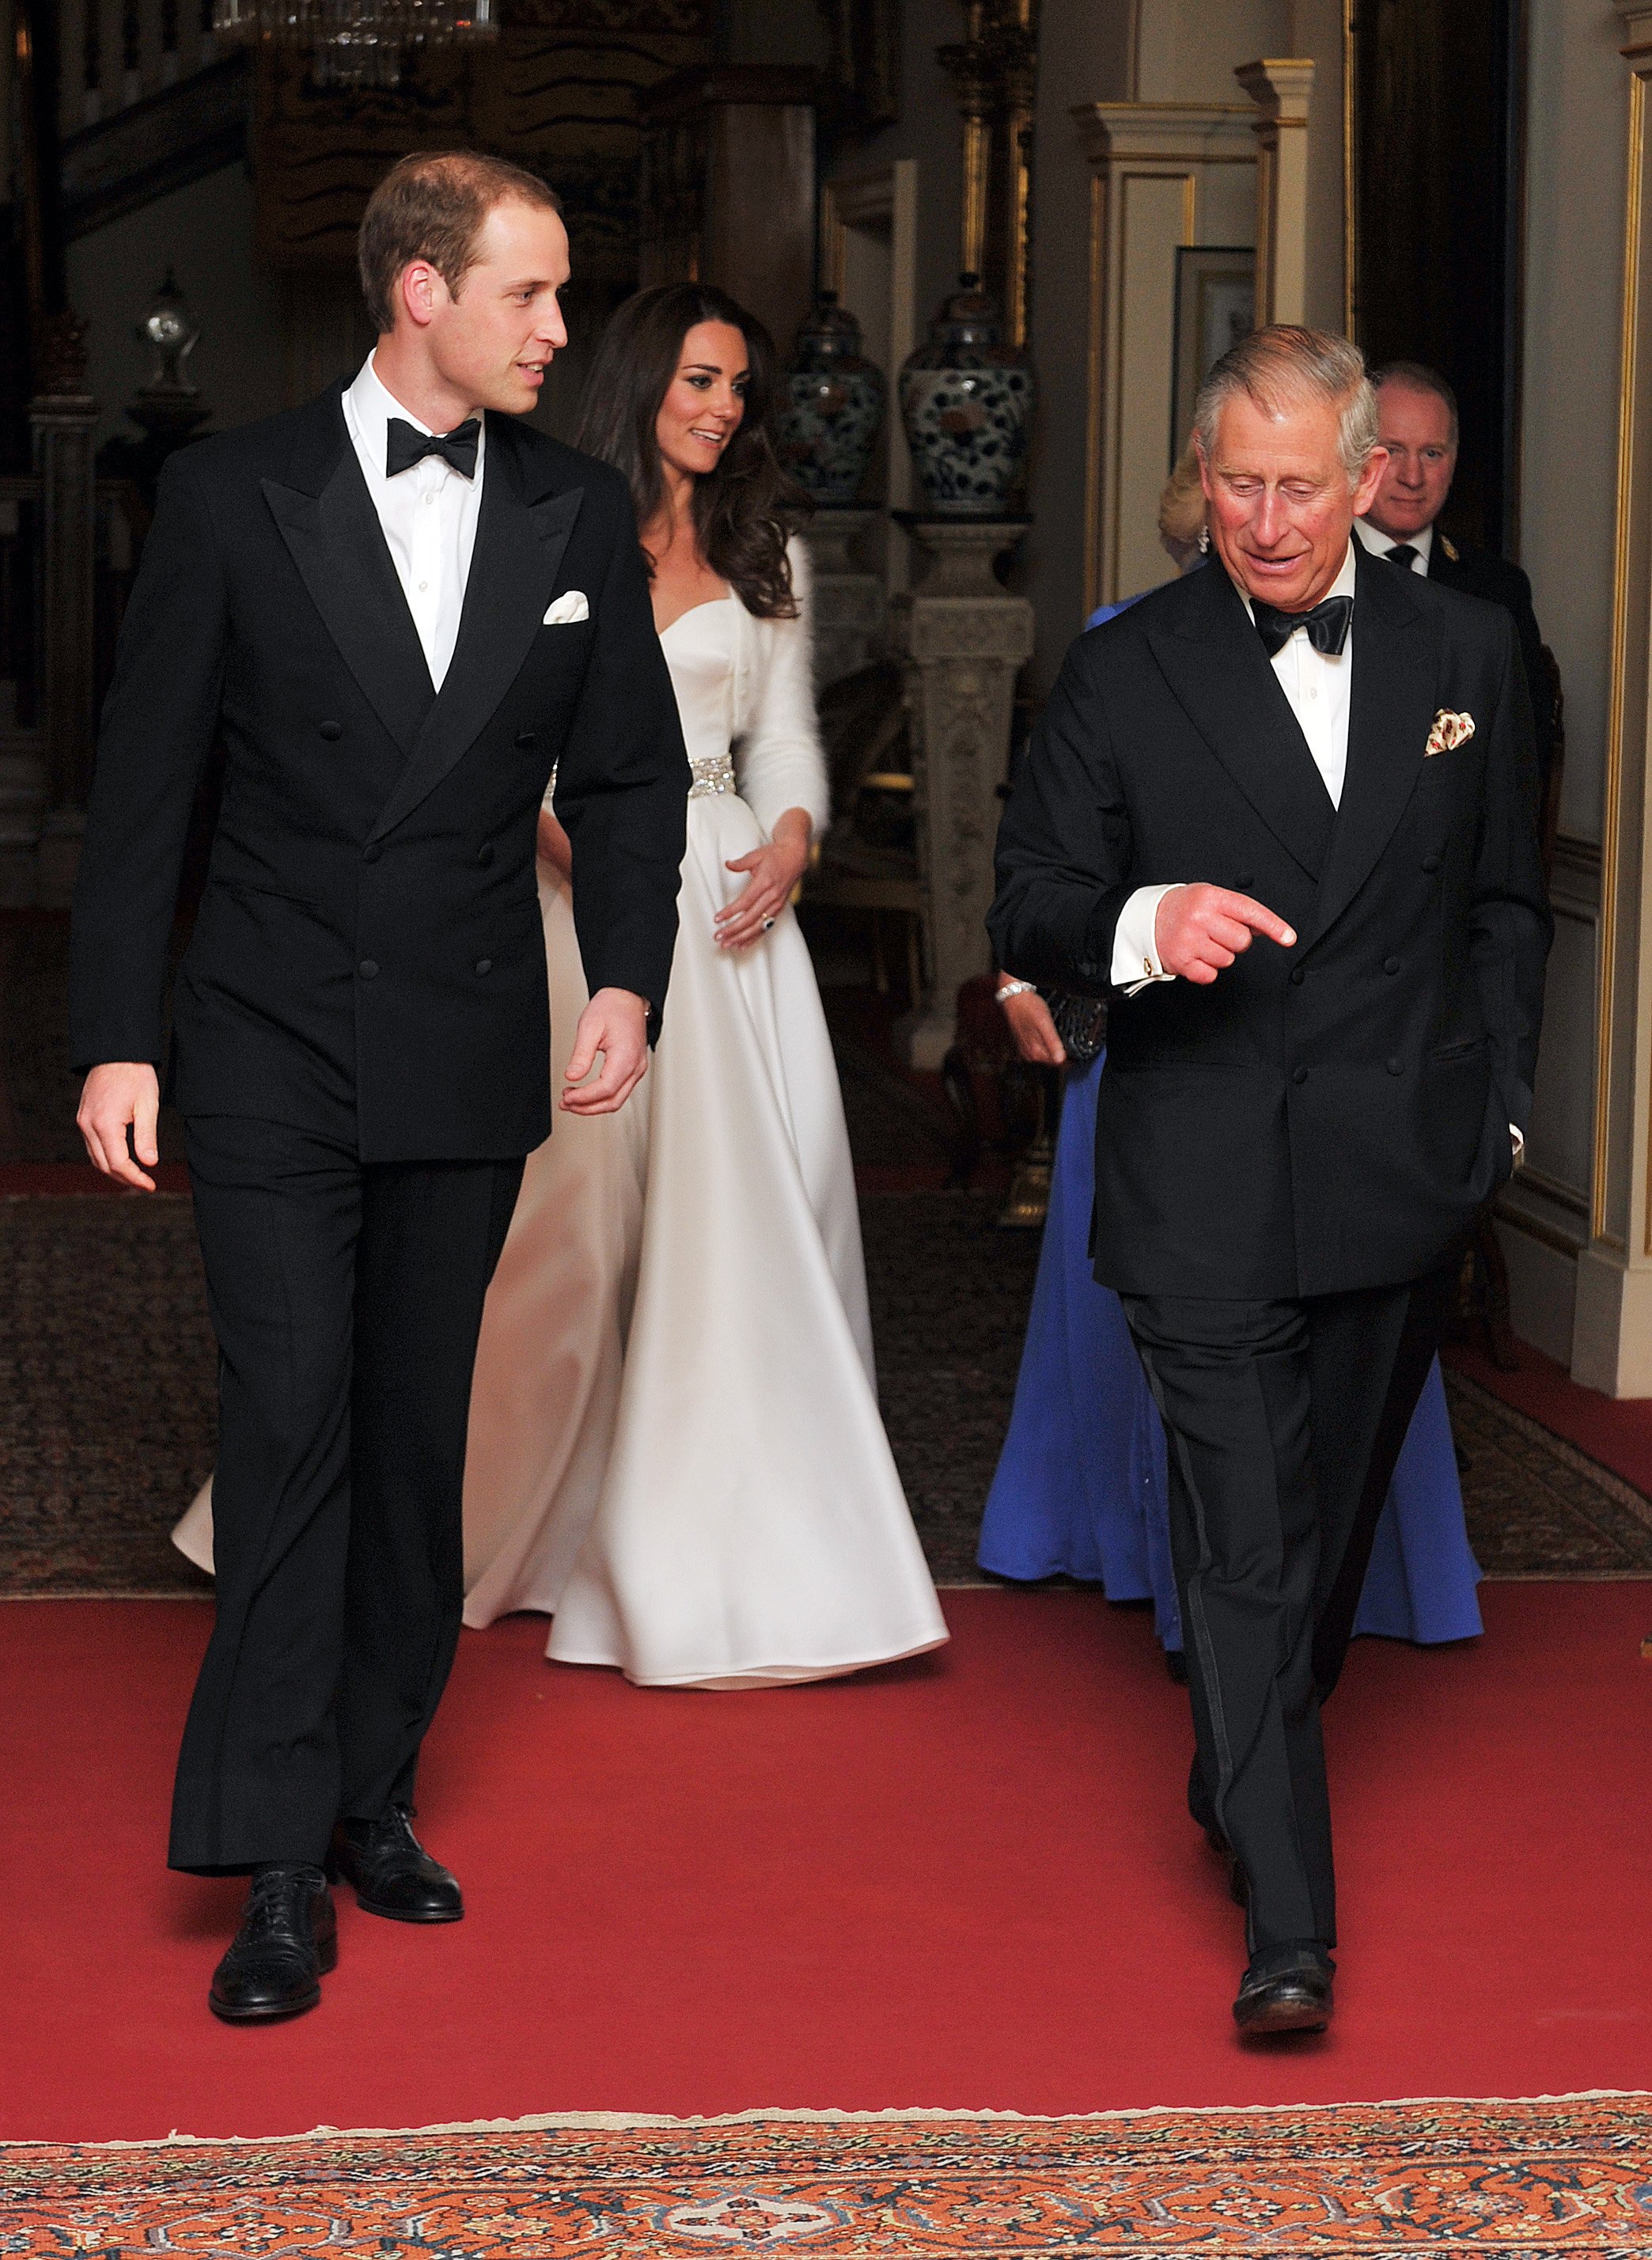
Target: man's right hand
<point>125,1094</point>
<point>1199,930</point>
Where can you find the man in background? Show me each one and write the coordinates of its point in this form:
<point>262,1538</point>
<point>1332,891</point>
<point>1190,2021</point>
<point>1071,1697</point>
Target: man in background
<point>1416,423</point>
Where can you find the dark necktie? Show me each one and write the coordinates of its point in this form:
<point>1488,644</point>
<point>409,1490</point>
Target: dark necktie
<point>404,446</point>
<point>1402,554</point>
<point>1327,625</point>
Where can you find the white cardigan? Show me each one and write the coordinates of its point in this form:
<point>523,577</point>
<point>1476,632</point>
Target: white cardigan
<point>778,762</point>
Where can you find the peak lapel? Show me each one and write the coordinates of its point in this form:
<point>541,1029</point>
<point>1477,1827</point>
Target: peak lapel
<point>512,575</point>
<point>1214,662</point>
<point>1392,701</point>
<point>332,530</point>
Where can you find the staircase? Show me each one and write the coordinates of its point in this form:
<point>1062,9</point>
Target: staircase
<point>146,103</point>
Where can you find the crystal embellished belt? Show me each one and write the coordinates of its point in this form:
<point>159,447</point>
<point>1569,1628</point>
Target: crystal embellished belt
<point>715,774</point>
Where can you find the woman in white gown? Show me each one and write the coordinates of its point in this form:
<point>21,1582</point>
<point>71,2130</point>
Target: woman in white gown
<point>676,1450</point>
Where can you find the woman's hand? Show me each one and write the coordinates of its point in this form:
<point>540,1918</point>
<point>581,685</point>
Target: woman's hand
<point>1031,1025</point>
<point>555,847</point>
<point>775,871</point>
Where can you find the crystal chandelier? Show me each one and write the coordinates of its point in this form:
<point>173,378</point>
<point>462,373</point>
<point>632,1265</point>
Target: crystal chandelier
<point>356,43</point>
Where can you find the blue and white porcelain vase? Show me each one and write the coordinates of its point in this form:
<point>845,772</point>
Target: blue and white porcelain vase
<point>832,405</point>
<point>967,401</point>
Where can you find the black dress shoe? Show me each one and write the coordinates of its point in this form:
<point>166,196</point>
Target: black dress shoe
<point>1287,1988</point>
<point>288,1938</point>
<point>393,1873</point>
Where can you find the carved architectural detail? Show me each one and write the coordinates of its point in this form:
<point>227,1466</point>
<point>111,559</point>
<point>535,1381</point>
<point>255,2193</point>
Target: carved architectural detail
<point>964,640</point>
<point>848,602</point>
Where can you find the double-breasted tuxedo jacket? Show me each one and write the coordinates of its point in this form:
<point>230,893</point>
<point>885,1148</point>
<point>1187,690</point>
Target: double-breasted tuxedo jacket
<point>368,959</point>
<point>1482,573</point>
<point>1327,1117</point>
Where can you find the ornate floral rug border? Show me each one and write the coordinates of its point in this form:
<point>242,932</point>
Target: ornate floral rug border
<point>1532,2178</point>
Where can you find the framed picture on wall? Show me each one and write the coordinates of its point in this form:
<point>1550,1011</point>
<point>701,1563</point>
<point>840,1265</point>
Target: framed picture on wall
<point>1215,306</point>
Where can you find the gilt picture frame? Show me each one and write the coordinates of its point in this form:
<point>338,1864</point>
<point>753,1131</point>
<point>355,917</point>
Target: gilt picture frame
<point>1215,306</point>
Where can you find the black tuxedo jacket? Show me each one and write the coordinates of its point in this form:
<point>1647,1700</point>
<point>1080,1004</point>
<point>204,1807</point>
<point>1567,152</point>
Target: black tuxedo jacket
<point>1326,1117</point>
<point>368,959</point>
<point>1482,573</point>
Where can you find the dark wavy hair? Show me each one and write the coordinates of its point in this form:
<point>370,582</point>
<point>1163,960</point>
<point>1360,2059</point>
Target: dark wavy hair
<point>747,509</point>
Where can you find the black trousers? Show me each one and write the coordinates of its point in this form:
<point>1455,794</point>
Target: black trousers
<point>1284,1420</point>
<point>347,1300</point>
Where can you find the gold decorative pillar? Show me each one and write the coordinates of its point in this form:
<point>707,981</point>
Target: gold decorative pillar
<point>1281,89</point>
<point>970,66</point>
<point>1162,175</point>
<point>1611,1330</point>
<point>995,72</point>
<point>1020,85</point>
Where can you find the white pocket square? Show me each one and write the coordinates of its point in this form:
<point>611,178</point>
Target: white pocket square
<point>569,606</point>
<point>1449,730</point>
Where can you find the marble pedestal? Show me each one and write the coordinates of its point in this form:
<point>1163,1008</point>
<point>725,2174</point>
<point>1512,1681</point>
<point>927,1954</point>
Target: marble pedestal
<point>849,629</point>
<point>962,640</point>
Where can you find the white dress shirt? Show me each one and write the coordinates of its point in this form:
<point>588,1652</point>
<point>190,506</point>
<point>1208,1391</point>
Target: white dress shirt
<point>1316,683</point>
<point>428,512</point>
<point>1379,544</point>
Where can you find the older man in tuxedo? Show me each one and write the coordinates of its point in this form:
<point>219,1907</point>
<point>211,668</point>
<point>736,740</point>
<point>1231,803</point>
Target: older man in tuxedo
<point>1284,811</point>
<point>1417,430</point>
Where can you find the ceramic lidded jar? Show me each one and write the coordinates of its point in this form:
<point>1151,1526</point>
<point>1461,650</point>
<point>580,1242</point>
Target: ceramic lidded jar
<point>831,404</point>
<point>967,401</point>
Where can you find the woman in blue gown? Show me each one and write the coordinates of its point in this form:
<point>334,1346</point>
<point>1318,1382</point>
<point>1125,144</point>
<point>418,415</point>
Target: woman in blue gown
<point>1080,1487</point>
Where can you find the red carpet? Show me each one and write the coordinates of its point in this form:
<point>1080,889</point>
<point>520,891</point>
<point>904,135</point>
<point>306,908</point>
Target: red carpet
<point>1617,1431</point>
<point>964,1883</point>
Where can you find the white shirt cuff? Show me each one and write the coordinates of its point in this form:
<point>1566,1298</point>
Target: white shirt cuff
<point>1135,954</point>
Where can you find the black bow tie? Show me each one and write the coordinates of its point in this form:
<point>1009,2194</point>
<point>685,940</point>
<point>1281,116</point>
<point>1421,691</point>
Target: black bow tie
<point>404,446</point>
<point>1327,625</point>
<point>1402,554</point>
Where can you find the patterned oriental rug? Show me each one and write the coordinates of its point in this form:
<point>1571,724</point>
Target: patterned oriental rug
<point>1531,2179</point>
<point>108,1377</point>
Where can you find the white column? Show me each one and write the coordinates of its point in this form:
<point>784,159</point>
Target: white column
<point>1162,174</point>
<point>1611,1332</point>
<point>1281,90</point>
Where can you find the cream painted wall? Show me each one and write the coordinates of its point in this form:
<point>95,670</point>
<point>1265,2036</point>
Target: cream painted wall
<point>205,233</point>
<point>1574,282</point>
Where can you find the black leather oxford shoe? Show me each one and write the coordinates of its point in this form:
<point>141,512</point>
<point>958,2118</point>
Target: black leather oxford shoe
<point>1287,1988</point>
<point>288,1940</point>
<point>392,1872</point>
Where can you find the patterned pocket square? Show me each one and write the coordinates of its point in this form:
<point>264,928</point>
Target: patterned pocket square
<point>1449,730</point>
<point>569,607</point>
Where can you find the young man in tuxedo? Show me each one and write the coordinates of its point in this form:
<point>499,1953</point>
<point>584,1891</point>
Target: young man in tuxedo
<point>397,608</point>
<point>1417,430</point>
<point>1284,811</point>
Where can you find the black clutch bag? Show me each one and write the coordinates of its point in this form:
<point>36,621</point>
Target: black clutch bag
<point>1081,1022</point>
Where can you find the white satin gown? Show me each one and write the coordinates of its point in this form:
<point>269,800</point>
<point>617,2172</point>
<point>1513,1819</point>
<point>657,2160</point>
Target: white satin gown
<point>676,1450</point>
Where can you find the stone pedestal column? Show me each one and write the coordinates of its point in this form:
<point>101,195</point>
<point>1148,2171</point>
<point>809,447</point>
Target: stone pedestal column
<point>1611,1327</point>
<point>62,416</point>
<point>964,640</point>
<point>1281,89</point>
<point>848,602</point>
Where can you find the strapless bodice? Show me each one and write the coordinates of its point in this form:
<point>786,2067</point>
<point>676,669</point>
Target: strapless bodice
<point>699,650</point>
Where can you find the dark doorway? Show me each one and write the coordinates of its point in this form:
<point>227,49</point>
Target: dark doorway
<point>1438,147</point>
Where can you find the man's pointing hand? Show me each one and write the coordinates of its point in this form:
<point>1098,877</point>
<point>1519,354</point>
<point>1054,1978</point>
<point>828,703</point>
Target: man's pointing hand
<point>1199,930</point>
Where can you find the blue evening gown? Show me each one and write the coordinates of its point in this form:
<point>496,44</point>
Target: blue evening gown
<point>1080,1486</point>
